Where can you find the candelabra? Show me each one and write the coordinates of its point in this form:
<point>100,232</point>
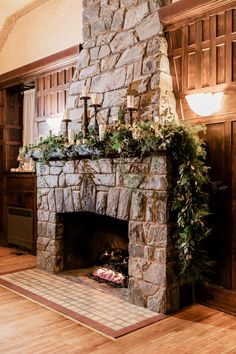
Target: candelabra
<point>130,110</point>
<point>66,121</point>
<point>96,107</point>
<point>131,107</point>
<point>85,98</point>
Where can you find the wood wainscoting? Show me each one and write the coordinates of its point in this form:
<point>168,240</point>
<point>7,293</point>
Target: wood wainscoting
<point>201,37</point>
<point>51,77</point>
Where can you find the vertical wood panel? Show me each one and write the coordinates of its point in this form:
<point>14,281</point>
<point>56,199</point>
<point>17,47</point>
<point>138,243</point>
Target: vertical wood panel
<point>233,61</point>
<point>228,48</point>
<point>191,71</point>
<point>192,34</point>
<point>205,63</point>
<point>178,72</point>
<point>218,241</point>
<point>205,29</point>
<point>220,64</point>
<point>175,39</point>
<point>233,157</point>
<point>234,20</point>
<point>184,73</point>
<point>220,25</point>
<point>2,106</point>
<point>213,51</point>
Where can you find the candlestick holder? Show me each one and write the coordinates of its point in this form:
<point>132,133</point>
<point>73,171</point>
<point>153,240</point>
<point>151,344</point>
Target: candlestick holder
<point>130,110</point>
<point>96,108</point>
<point>66,121</point>
<point>85,116</point>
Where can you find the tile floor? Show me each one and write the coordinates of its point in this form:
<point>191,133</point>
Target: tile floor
<point>103,312</point>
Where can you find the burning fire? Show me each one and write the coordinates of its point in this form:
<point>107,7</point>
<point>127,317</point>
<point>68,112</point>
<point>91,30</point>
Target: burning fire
<point>110,275</point>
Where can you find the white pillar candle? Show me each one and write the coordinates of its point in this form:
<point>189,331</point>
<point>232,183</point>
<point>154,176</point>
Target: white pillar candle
<point>130,101</point>
<point>102,131</point>
<point>65,114</point>
<point>94,98</point>
<point>84,91</point>
<point>71,136</point>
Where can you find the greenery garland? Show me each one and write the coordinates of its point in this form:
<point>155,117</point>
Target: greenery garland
<point>188,196</point>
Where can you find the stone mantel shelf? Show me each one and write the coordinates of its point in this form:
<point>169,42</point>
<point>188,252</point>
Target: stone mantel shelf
<point>85,153</point>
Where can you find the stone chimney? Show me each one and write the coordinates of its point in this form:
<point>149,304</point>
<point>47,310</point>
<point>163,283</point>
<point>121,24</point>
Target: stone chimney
<point>124,52</point>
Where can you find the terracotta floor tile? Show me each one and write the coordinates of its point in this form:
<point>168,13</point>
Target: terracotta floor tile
<point>105,309</point>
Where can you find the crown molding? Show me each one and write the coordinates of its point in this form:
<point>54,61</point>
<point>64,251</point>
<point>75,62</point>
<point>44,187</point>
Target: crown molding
<point>185,9</point>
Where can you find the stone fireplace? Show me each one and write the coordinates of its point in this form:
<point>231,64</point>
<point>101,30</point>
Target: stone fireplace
<point>124,53</point>
<point>133,190</point>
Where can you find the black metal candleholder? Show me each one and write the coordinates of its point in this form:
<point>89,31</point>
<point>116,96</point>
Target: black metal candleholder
<point>66,121</point>
<point>85,116</point>
<point>130,110</point>
<point>96,108</point>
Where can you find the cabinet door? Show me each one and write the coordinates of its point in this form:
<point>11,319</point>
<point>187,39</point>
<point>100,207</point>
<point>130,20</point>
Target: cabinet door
<point>13,125</point>
<point>233,242</point>
<point>219,242</point>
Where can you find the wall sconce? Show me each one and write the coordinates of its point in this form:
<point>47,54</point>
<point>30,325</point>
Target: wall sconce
<point>205,104</point>
<point>54,124</point>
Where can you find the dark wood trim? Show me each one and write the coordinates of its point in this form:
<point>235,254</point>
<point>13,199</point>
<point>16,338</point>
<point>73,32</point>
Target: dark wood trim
<point>183,9</point>
<point>217,297</point>
<point>60,59</point>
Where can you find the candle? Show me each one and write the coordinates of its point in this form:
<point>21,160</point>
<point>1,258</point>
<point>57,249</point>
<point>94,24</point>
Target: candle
<point>71,136</point>
<point>156,119</point>
<point>130,101</point>
<point>102,130</point>
<point>65,115</point>
<point>94,98</point>
<point>84,91</point>
<point>162,120</point>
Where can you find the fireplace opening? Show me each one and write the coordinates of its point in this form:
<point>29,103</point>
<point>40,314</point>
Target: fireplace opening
<point>97,243</point>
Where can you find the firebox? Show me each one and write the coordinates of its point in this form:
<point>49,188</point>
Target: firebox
<point>95,241</point>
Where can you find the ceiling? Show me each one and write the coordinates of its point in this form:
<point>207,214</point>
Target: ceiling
<point>9,7</point>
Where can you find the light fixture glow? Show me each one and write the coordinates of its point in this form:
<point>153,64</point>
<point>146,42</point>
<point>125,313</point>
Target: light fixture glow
<point>54,124</point>
<point>205,104</point>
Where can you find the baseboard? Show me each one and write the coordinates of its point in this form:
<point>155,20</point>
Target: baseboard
<point>217,297</point>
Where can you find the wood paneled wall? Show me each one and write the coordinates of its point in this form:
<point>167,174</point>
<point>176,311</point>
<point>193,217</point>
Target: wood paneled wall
<point>52,76</point>
<point>202,54</point>
<point>52,91</point>
<point>202,51</point>
<point>51,95</point>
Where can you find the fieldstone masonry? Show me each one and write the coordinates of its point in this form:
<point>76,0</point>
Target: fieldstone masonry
<point>134,190</point>
<point>124,52</point>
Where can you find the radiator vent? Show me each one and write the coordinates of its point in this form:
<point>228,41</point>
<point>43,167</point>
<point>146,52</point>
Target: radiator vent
<point>20,227</point>
<point>20,212</point>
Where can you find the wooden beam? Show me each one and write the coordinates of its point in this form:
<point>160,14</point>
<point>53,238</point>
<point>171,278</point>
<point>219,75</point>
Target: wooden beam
<point>182,9</point>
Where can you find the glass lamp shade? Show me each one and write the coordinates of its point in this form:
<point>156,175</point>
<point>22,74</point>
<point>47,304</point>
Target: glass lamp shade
<point>205,104</point>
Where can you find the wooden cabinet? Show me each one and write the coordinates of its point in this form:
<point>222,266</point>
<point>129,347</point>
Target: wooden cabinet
<point>20,214</point>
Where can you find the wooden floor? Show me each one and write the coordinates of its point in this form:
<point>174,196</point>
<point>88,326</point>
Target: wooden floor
<point>28,328</point>
<point>12,259</point>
